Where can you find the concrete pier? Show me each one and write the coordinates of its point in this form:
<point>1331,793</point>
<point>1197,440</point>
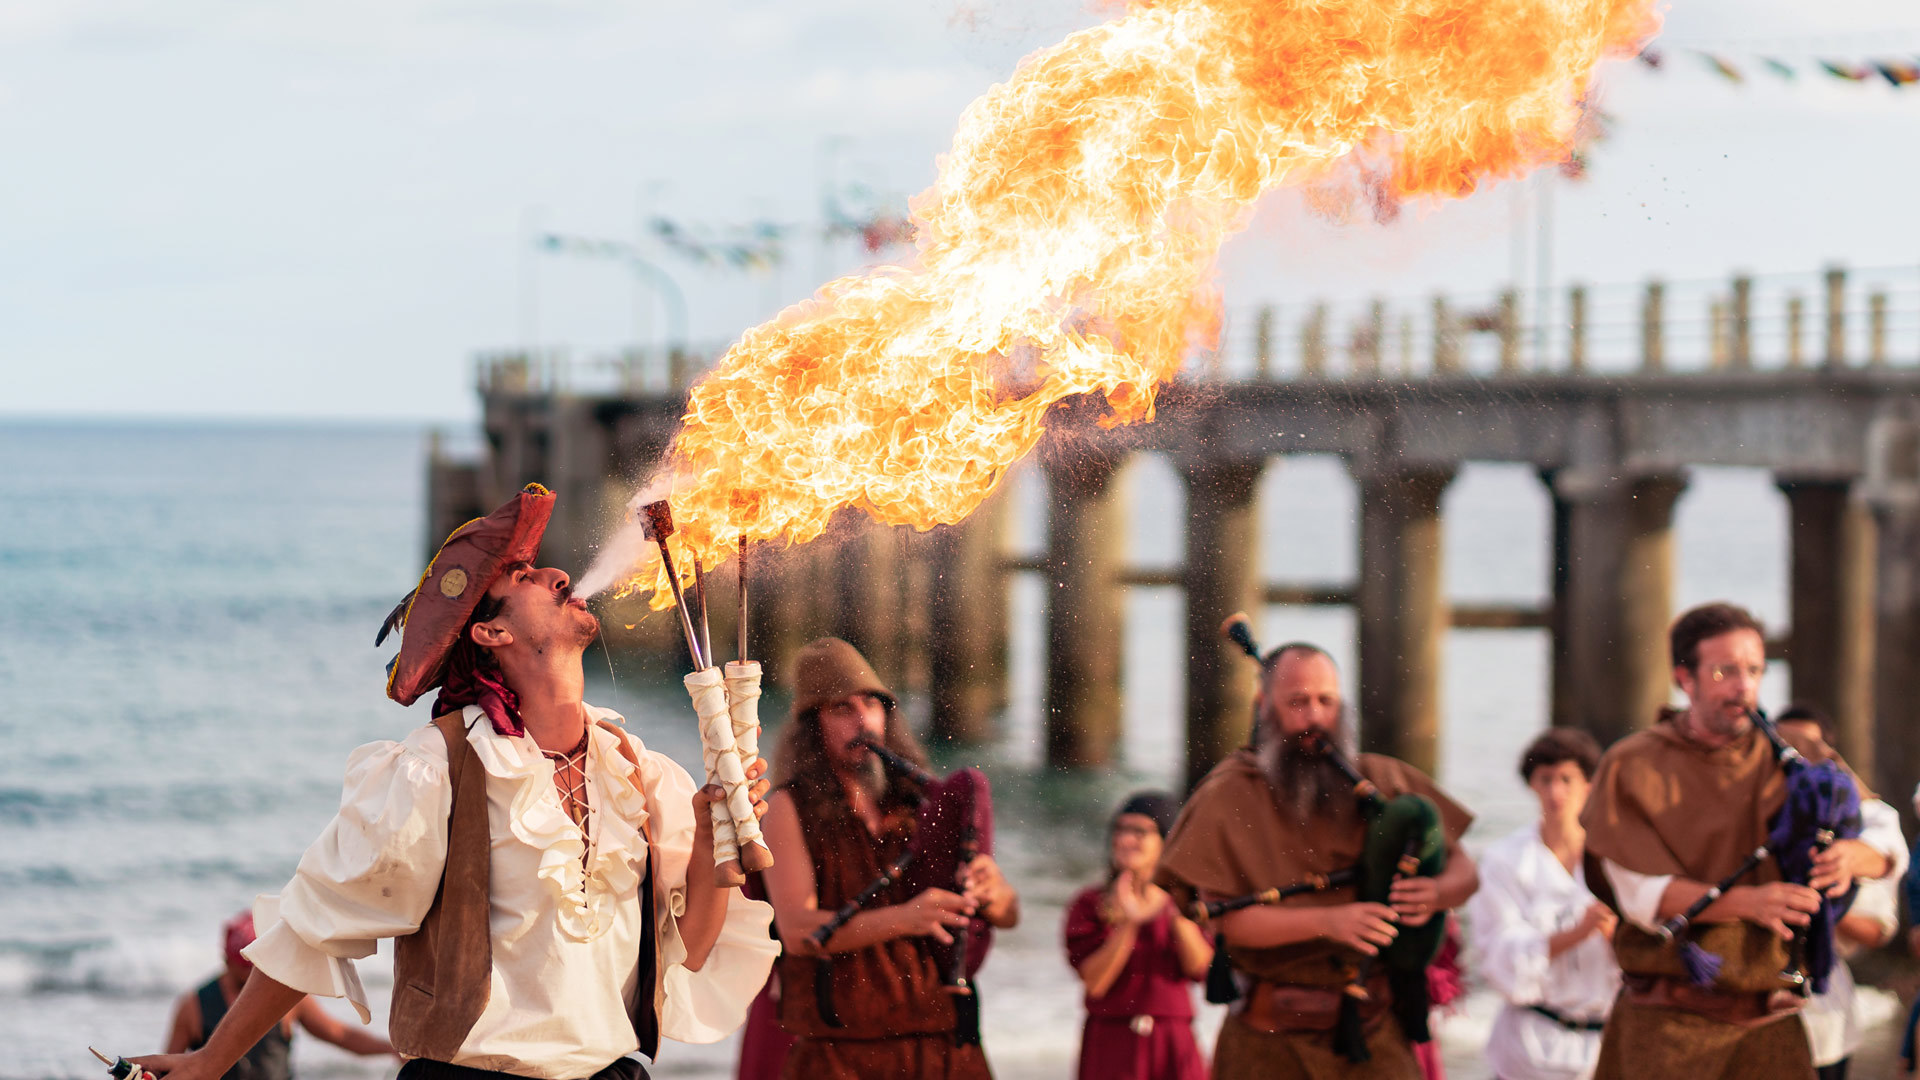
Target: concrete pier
<point>967,624</point>
<point>1085,607</point>
<point>1833,548</point>
<point>1403,612</point>
<point>1222,576</point>
<point>1655,380</point>
<point>870,612</point>
<point>1615,599</point>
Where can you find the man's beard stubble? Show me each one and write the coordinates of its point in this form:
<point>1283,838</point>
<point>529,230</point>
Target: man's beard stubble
<point>1307,786</point>
<point>869,774</point>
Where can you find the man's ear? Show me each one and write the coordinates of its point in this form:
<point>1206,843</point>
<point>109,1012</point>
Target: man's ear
<point>1683,679</point>
<point>490,635</point>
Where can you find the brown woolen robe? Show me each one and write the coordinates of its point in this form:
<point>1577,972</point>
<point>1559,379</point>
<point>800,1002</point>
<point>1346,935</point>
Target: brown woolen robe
<point>1233,838</point>
<point>896,1017</point>
<point>1664,805</point>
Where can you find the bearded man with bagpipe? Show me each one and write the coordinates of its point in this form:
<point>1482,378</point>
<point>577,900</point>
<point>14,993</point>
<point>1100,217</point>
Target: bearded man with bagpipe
<point>1729,858</point>
<point>1311,865</point>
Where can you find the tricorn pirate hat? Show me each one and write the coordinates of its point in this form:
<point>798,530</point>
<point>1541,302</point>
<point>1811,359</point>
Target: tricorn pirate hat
<point>460,573</point>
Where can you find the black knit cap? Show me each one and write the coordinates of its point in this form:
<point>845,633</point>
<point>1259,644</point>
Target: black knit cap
<point>1162,807</point>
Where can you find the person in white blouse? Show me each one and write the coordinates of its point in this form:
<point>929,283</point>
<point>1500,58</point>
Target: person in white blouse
<point>1541,938</point>
<point>1833,1028</point>
<point>548,878</point>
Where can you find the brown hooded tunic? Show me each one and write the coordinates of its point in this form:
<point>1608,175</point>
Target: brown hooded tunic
<point>1663,805</point>
<point>1233,838</point>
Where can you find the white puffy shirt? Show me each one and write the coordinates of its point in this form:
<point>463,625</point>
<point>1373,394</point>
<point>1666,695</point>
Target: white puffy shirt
<point>1526,896</point>
<point>565,932</point>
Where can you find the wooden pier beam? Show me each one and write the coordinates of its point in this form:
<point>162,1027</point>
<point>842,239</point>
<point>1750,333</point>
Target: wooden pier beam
<point>1222,576</point>
<point>1085,607</point>
<point>967,624</point>
<point>1402,610</point>
<point>871,610</point>
<point>1831,652</point>
<point>1613,598</point>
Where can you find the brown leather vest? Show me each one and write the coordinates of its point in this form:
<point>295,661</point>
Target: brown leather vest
<point>884,990</point>
<point>442,972</point>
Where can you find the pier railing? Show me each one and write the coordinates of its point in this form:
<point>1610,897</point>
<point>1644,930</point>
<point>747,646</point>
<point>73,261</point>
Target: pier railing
<point>1831,318</point>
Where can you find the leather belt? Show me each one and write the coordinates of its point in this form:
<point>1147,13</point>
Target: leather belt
<point>1569,1022</point>
<point>1744,1008</point>
<point>1273,1008</point>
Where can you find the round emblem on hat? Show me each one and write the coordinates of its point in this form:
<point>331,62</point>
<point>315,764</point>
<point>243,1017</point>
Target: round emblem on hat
<point>453,583</point>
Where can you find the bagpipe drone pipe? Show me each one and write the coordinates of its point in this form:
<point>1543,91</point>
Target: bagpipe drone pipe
<point>953,823</point>
<point>1405,838</point>
<point>1822,805</point>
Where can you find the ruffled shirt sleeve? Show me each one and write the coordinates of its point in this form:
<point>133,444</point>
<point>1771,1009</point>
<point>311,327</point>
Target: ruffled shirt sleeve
<point>1514,956</point>
<point>707,1005</point>
<point>371,874</point>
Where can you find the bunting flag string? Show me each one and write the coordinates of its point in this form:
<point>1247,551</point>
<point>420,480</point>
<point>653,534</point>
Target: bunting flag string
<point>1898,72</point>
<point>756,246</point>
<point>876,224</point>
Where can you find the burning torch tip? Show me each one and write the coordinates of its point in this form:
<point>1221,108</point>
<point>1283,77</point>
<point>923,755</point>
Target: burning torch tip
<point>656,520</point>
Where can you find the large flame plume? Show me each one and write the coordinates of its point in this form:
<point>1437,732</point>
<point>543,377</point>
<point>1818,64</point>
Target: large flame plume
<point>1068,245</point>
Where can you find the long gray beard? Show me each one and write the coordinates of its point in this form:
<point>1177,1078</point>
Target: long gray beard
<point>1308,787</point>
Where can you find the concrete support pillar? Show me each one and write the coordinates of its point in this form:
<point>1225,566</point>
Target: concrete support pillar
<point>1653,328</point>
<point>1222,577</point>
<point>578,453</point>
<point>967,624</point>
<point>1085,609</point>
<point>1509,332</point>
<point>1613,599</point>
<point>794,591</point>
<point>1831,653</point>
<point>1796,338</point>
<point>1877,329</point>
<point>1742,346</point>
<point>1313,343</point>
<point>1263,344</point>
<point>1896,761</point>
<point>1446,339</point>
<point>1577,329</point>
<point>870,612</point>
<point>1402,611</point>
<point>1835,353</point>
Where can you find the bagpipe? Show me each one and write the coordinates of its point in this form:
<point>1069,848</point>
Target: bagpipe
<point>1822,805</point>
<point>953,823</point>
<point>1405,838</point>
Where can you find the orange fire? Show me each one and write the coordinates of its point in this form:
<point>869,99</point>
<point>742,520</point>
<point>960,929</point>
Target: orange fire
<point>1068,245</point>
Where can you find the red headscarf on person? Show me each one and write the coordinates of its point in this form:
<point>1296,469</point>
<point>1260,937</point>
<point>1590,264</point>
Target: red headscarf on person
<point>237,935</point>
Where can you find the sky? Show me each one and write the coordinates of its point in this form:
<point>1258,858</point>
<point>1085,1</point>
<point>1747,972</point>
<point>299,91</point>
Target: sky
<point>219,208</point>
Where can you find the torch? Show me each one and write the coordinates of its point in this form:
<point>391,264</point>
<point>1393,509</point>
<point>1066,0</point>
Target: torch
<point>707,687</point>
<point>743,709</point>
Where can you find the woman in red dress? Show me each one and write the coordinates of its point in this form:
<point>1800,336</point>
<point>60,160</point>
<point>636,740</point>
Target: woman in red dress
<point>1136,954</point>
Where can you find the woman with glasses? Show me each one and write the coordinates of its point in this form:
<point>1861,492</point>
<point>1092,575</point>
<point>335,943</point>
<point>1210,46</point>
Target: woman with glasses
<point>1136,954</point>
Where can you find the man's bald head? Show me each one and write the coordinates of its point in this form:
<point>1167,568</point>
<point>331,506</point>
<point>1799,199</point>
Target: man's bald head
<point>1300,690</point>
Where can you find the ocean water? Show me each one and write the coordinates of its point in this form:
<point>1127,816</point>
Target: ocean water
<point>186,660</point>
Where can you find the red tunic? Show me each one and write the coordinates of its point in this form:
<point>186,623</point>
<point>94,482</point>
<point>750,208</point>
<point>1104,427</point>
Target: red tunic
<point>1150,985</point>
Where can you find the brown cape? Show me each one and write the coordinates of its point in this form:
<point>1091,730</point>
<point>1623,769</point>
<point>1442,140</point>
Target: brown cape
<point>1663,805</point>
<point>1232,838</point>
